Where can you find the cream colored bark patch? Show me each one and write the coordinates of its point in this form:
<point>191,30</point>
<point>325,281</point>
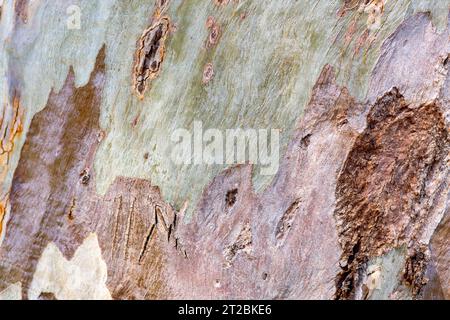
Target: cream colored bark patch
<point>13,292</point>
<point>82,277</point>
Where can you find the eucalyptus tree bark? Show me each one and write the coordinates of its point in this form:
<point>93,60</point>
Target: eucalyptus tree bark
<point>92,205</point>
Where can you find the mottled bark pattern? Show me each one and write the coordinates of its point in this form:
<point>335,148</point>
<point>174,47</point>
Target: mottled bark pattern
<point>359,208</point>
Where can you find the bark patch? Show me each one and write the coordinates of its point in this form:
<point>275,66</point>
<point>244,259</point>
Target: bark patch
<point>383,192</point>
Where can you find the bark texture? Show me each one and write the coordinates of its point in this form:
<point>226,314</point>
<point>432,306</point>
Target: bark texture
<point>92,207</point>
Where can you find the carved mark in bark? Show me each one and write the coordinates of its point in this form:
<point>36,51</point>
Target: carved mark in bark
<point>167,229</point>
<point>384,192</point>
<point>144,236</point>
<point>146,242</point>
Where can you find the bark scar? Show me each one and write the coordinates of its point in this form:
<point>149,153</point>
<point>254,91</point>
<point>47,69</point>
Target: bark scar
<point>151,50</point>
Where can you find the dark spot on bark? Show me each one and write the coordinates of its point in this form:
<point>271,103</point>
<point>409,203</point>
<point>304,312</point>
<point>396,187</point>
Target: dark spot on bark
<point>305,141</point>
<point>70,215</point>
<point>230,198</point>
<point>445,63</point>
<point>85,177</point>
<point>221,2</point>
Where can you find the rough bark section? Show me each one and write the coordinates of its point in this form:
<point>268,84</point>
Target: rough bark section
<point>385,193</point>
<point>440,243</point>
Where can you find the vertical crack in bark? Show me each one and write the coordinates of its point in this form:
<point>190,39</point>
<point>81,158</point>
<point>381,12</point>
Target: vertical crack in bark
<point>146,242</point>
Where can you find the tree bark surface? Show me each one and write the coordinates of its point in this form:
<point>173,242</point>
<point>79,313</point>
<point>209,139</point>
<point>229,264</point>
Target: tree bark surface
<point>93,207</point>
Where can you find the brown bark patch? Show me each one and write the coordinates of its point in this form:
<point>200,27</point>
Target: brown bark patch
<point>137,235</point>
<point>383,190</point>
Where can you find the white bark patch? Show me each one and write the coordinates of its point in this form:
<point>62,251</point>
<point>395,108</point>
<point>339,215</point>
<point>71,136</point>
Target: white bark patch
<point>13,292</point>
<point>82,277</point>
